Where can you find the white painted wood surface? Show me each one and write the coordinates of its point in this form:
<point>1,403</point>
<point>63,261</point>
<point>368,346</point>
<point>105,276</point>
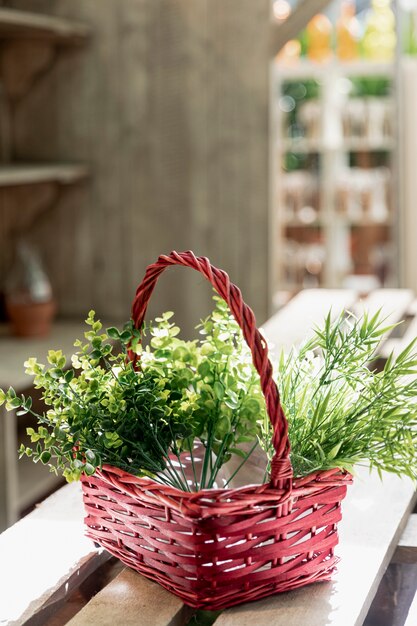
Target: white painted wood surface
<point>409,536</point>
<point>44,556</point>
<point>406,551</point>
<point>294,323</point>
<point>393,304</point>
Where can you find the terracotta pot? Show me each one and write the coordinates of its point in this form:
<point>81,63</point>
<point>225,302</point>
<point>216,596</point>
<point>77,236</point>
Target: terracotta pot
<point>30,319</point>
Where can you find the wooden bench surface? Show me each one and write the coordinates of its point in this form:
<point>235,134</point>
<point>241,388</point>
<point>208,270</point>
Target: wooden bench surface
<point>45,555</point>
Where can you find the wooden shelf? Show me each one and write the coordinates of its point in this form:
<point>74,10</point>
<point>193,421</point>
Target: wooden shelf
<point>31,174</point>
<point>306,69</point>
<point>349,222</point>
<point>298,224</point>
<point>21,24</point>
<point>342,144</point>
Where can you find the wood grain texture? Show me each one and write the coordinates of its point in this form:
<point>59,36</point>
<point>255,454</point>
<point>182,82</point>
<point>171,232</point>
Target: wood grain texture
<point>139,601</point>
<point>169,103</point>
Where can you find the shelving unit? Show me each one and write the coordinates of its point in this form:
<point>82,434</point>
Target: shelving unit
<point>16,24</point>
<point>32,174</point>
<point>352,144</point>
<point>29,45</point>
<point>321,236</point>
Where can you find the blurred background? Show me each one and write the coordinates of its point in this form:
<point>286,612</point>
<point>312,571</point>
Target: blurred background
<point>344,138</point>
<point>277,138</point>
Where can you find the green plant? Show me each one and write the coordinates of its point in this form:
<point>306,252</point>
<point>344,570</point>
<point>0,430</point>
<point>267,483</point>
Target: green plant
<point>189,406</point>
<point>101,409</point>
<point>341,410</point>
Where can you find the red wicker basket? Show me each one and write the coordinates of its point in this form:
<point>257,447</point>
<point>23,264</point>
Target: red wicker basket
<point>219,547</point>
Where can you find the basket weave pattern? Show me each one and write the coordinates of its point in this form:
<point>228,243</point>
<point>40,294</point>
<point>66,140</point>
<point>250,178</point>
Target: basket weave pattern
<point>219,547</point>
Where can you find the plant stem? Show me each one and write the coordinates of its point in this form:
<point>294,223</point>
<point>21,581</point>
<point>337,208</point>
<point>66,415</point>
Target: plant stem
<point>240,465</point>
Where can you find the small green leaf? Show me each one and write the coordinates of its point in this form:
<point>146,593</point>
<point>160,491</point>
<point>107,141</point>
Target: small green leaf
<point>218,390</point>
<point>69,375</point>
<point>113,333</point>
<point>89,469</point>
<point>90,455</point>
<point>125,336</point>
<point>45,457</point>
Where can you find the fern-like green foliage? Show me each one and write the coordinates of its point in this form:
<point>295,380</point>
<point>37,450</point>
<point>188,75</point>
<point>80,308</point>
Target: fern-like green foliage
<point>341,410</point>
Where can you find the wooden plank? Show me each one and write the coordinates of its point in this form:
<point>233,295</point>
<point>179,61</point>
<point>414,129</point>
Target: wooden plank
<point>396,344</point>
<point>44,557</point>
<point>412,613</point>
<point>131,599</point>
<point>16,24</point>
<point>394,305</point>
<point>31,174</point>
<point>392,302</point>
<point>295,23</point>
<point>406,551</point>
<point>369,532</point>
<point>294,323</point>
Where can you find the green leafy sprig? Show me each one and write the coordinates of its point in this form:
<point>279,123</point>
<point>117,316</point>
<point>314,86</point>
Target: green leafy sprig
<point>184,399</point>
<point>341,410</point>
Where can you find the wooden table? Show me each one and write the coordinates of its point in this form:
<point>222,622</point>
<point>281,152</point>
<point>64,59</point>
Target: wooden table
<point>45,556</point>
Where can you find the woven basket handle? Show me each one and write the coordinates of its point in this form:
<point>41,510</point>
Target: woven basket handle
<point>281,470</point>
